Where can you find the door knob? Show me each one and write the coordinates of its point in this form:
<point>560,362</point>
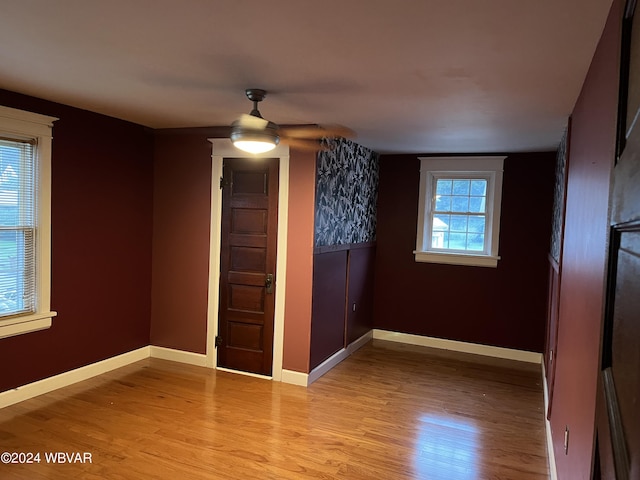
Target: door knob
<point>268,284</point>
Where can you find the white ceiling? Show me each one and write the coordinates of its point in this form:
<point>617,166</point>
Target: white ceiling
<point>407,75</point>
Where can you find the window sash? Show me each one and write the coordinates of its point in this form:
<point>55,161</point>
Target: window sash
<point>434,212</point>
<point>34,223</point>
<point>18,222</point>
<point>446,236</point>
<point>466,167</point>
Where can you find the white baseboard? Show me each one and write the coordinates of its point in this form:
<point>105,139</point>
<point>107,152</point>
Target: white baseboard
<point>198,359</point>
<point>487,350</point>
<point>338,357</point>
<point>327,365</point>
<point>295,378</point>
<point>46,385</point>
<point>49,384</point>
<point>551,456</point>
<point>360,342</point>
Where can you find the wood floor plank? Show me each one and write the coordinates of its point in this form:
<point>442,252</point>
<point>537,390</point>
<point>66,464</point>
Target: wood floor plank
<point>390,411</point>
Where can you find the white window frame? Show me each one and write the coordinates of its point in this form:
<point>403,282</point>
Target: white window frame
<point>19,124</point>
<point>431,168</point>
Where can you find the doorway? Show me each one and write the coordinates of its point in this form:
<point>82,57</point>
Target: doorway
<point>247,264</point>
<point>617,416</point>
<point>223,150</point>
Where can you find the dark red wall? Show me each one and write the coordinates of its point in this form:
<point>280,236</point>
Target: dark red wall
<point>101,199</point>
<point>360,291</point>
<point>591,156</point>
<point>342,276</point>
<point>503,306</point>
<point>181,222</point>
<point>328,304</point>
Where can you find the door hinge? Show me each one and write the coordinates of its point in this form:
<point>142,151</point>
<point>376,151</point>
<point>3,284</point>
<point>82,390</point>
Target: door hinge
<point>218,341</point>
<point>224,182</point>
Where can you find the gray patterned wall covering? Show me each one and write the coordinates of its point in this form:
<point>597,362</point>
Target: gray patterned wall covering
<point>346,195</point>
<point>558,199</point>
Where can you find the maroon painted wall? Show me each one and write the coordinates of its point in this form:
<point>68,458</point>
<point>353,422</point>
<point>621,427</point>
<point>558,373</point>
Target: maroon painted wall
<point>342,276</point>
<point>101,197</point>
<point>360,291</point>
<point>181,222</point>
<point>328,304</point>
<point>503,306</point>
<point>591,155</point>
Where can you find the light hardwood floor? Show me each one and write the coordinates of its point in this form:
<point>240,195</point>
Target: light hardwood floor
<point>390,411</point>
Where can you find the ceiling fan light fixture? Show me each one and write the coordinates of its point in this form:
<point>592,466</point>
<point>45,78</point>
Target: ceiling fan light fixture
<point>255,147</point>
<point>252,133</point>
<point>252,141</point>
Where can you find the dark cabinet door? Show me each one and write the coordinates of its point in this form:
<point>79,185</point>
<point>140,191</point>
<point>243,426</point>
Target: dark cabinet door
<point>618,403</point>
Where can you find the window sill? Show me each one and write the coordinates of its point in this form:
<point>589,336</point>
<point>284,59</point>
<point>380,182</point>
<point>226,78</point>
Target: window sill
<point>457,259</point>
<point>25,324</point>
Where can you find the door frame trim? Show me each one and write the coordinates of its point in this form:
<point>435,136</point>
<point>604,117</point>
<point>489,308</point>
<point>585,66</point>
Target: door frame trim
<point>223,148</point>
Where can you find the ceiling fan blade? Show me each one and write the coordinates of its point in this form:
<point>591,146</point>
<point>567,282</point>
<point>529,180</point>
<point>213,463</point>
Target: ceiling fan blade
<point>306,137</point>
<point>252,122</point>
<point>304,144</point>
<point>316,131</point>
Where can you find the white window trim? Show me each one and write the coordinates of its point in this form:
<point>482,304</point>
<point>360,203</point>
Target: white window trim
<point>32,125</point>
<point>492,168</point>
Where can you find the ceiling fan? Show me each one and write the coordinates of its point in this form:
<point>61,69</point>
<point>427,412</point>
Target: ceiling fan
<point>254,134</point>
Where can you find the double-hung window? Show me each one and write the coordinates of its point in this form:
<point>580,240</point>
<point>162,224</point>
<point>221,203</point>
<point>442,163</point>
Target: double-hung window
<point>25,233</point>
<point>459,210</point>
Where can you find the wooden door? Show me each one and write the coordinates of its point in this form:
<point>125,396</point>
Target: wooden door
<point>618,403</point>
<point>247,264</point>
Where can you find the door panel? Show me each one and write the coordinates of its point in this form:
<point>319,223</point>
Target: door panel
<point>248,259</point>
<point>618,424</point>
<point>618,408</point>
<point>360,279</point>
<point>553,309</point>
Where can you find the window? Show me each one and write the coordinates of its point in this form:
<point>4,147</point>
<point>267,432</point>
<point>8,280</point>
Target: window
<point>459,210</point>
<point>25,233</point>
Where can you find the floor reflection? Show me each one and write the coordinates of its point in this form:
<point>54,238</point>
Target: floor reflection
<point>447,448</point>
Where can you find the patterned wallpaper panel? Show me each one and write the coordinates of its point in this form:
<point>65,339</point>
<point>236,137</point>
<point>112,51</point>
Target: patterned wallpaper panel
<point>346,195</point>
<point>558,199</point>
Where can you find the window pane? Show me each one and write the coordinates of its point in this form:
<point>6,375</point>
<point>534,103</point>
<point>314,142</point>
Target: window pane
<point>459,223</point>
<point>438,240</point>
<point>476,224</point>
<point>443,187</point>
<point>439,231</point>
<point>9,185</point>
<point>8,280</point>
<point>477,204</point>
<point>475,242</point>
<point>458,241</point>
<point>479,187</point>
<point>441,223</point>
<point>461,187</point>
<point>12,272</point>
<point>443,203</point>
<point>459,204</point>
